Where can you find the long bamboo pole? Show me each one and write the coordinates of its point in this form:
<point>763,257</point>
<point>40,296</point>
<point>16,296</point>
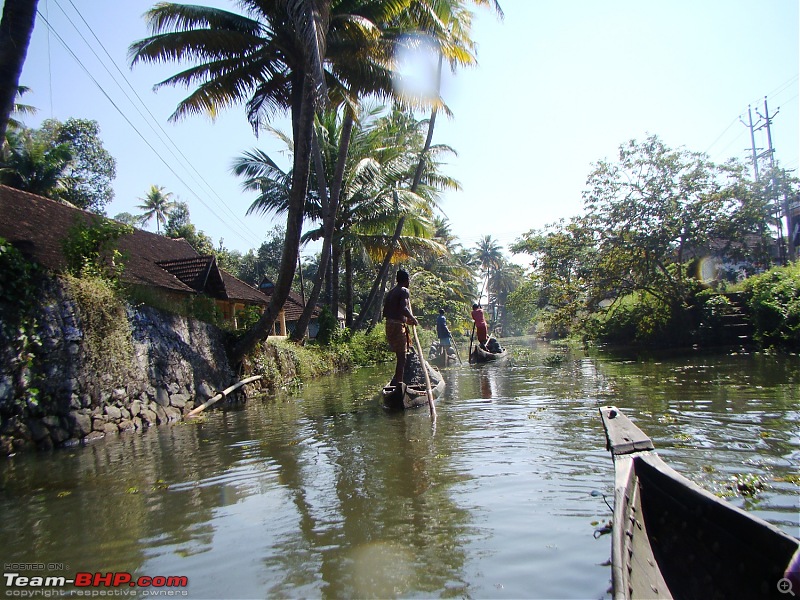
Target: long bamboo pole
<point>222,394</point>
<point>425,372</point>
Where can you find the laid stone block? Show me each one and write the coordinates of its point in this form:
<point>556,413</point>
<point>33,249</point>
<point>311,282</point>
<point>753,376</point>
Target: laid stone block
<point>162,397</point>
<point>113,413</point>
<point>173,414</point>
<point>178,400</point>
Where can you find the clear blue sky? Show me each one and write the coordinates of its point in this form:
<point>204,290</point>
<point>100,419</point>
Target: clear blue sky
<point>559,86</point>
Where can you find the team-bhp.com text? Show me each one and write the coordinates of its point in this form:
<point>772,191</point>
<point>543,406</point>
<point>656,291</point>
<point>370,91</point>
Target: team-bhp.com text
<point>97,583</point>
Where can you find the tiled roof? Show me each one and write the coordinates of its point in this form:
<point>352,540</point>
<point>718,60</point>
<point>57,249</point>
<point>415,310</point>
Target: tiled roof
<point>200,273</point>
<point>37,226</point>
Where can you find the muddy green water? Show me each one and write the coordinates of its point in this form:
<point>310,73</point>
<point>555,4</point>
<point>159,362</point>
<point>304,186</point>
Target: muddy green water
<point>318,493</point>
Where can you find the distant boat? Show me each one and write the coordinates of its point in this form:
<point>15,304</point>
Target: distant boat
<point>673,539</point>
<point>442,356</point>
<point>479,355</point>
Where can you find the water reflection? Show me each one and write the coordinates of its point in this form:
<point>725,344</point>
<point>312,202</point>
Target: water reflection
<point>320,493</point>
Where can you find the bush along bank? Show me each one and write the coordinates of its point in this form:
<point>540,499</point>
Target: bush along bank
<point>761,312</point>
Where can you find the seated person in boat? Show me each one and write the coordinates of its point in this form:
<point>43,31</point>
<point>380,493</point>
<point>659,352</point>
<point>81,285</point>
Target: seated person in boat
<point>494,346</point>
<point>442,331</point>
<point>481,328</point>
<point>398,315</point>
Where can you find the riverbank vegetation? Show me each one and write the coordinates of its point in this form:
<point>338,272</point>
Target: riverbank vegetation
<point>645,263</point>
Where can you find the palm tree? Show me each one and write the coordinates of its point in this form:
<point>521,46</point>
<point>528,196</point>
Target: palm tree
<point>489,255</point>
<point>20,109</point>
<point>156,204</point>
<point>272,59</point>
<point>506,277</point>
<point>450,31</point>
<point>34,165</point>
<point>376,160</point>
<point>16,27</point>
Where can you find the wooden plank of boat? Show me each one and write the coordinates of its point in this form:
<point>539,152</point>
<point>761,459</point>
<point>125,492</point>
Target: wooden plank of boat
<point>479,355</point>
<point>673,539</point>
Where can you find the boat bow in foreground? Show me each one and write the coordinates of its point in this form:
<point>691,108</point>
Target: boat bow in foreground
<point>673,539</point>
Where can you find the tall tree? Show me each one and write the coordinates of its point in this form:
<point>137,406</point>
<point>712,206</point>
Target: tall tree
<point>489,255</point>
<point>16,27</point>
<point>179,225</point>
<point>87,180</point>
<point>156,204</point>
<point>273,59</point>
<point>656,209</point>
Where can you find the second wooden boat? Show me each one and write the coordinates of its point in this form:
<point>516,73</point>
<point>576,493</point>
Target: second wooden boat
<point>673,539</point>
<point>479,355</point>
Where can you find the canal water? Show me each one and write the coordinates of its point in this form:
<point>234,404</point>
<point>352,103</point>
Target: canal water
<point>318,493</point>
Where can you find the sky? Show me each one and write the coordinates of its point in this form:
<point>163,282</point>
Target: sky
<point>559,86</point>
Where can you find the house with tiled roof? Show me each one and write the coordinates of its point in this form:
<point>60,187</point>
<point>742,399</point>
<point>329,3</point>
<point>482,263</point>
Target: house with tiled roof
<point>171,268</point>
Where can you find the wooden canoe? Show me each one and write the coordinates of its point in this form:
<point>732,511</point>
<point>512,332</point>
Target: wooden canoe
<point>479,355</point>
<point>673,539</point>
<point>439,355</point>
<point>414,394</point>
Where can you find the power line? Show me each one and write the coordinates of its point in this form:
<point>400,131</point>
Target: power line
<point>52,30</point>
<point>152,117</point>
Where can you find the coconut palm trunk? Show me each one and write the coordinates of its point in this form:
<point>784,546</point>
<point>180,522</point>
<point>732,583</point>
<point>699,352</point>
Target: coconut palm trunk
<point>304,125</point>
<point>16,28</point>
<point>348,287</point>
<point>329,223</point>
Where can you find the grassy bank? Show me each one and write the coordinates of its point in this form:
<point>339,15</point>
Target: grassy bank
<point>283,363</point>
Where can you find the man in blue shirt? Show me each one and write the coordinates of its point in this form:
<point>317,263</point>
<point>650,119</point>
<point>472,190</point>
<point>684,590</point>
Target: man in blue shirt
<point>442,332</point>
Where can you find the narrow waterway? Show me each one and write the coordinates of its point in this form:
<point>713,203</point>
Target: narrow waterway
<point>317,492</point>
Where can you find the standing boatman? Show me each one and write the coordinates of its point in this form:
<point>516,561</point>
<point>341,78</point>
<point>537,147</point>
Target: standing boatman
<point>442,332</point>
<point>481,328</point>
<point>397,312</point>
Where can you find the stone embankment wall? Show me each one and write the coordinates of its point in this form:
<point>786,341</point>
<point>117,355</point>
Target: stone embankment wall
<point>52,392</point>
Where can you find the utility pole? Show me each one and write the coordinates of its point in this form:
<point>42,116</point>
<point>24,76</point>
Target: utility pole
<point>752,140</point>
<point>770,151</point>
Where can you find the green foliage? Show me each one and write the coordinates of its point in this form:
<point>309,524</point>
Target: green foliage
<point>329,330</point>
<point>34,165</point>
<point>369,347</point>
<point>197,307</point>
<point>638,318</point>
<point>87,179</point>
<point>255,264</point>
<point>179,226</point>
<point>713,309</point>
<point>522,308</point>
<point>19,298</point>
<point>248,317</point>
<point>90,249</point>
<point>774,302</point>
<point>104,321</point>
<point>204,308</point>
